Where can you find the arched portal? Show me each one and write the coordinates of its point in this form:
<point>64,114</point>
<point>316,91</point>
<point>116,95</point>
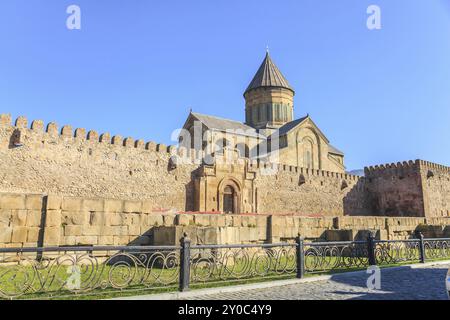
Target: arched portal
<point>230,197</point>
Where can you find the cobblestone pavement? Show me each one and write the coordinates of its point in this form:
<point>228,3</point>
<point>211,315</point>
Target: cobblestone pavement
<point>403,283</point>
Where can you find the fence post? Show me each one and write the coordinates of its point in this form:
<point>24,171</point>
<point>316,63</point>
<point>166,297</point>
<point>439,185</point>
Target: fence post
<point>371,249</point>
<point>421,247</point>
<point>300,253</point>
<point>185,265</point>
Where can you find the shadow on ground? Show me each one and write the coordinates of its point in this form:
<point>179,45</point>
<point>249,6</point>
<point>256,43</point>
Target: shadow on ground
<point>404,283</point>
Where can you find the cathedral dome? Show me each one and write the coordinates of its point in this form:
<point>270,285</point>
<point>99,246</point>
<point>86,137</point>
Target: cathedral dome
<point>268,75</point>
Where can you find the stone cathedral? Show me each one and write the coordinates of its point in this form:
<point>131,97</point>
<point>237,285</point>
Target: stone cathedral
<point>269,113</point>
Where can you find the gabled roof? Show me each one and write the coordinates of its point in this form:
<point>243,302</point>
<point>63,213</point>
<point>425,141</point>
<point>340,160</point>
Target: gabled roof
<point>290,125</point>
<point>268,75</point>
<point>221,124</point>
<point>286,128</point>
<point>334,150</point>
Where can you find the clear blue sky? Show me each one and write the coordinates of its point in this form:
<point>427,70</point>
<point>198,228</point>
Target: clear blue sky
<point>136,67</point>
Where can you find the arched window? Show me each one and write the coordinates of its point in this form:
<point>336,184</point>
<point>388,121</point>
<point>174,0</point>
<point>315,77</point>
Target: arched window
<point>308,153</point>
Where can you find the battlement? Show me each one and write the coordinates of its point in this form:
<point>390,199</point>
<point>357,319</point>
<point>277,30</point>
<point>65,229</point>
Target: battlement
<point>399,168</point>
<point>258,165</point>
<point>67,133</point>
<point>404,167</point>
<point>434,166</point>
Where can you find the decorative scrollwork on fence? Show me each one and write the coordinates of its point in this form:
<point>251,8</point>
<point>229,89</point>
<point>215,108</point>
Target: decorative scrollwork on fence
<point>323,257</point>
<point>392,252</point>
<point>437,248</point>
<point>215,264</point>
<point>59,272</point>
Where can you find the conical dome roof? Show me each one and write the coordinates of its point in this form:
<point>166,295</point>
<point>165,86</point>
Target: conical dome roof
<point>268,75</point>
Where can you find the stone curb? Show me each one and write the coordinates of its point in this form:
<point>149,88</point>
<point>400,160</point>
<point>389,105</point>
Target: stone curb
<point>265,285</point>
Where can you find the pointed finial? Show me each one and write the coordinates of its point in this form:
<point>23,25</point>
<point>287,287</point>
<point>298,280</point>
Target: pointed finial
<point>267,49</point>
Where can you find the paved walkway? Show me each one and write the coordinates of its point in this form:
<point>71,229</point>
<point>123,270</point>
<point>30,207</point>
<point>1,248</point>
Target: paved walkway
<point>396,283</point>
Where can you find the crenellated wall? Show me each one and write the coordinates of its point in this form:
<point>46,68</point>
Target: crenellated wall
<point>310,192</point>
<point>44,159</point>
<point>40,159</point>
<point>415,188</point>
<point>396,189</point>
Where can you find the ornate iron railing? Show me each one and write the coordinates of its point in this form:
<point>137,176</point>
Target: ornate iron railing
<point>329,256</point>
<point>217,262</point>
<point>438,248</point>
<point>80,270</point>
<point>397,251</point>
<point>60,271</point>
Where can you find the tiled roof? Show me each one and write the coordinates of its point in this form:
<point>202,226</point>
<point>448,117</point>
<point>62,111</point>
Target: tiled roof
<point>334,150</point>
<point>268,75</point>
<point>222,124</point>
<point>290,125</point>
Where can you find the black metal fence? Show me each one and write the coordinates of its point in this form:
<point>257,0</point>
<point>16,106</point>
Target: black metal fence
<point>68,271</point>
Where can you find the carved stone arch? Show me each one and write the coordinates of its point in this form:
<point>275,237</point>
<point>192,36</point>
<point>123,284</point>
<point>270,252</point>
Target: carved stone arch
<point>229,195</point>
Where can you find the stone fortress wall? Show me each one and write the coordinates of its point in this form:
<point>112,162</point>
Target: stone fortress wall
<point>38,159</point>
<point>72,187</point>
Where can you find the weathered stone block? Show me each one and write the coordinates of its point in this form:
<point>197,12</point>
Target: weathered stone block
<point>106,240</point>
<point>155,220</point>
<point>52,236</point>
<point>92,230</point>
<point>71,204</point>
<point>132,206</point>
<point>33,218</point>
<point>19,218</point>
<point>115,219</point>
<point>147,206</point>
<point>98,218</point>
<point>69,241</point>
<point>121,240</point>
<point>5,234</point>
<point>34,202</point>
<point>5,216</point>
<point>53,218</point>
<point>245,221</point>
<point>87,240</point>
<point>72,230</point>
<point>12,201</point>
<point>113,205</point>
<point>93,205</point>
<point>185,219</point>
<point>237,221</point>
<point>201,220</point>
<point>54,202</point>
<point>19,234</point>
<point>76,217</point>
<point>169,219</point>
<point>134,230</point>
<point>33,234</point>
